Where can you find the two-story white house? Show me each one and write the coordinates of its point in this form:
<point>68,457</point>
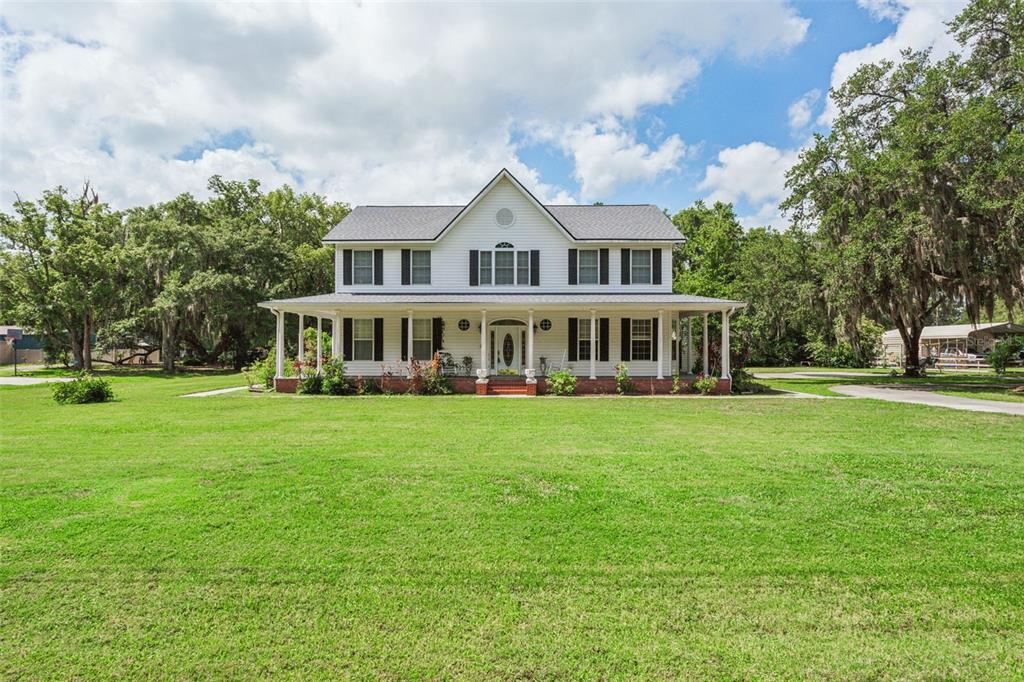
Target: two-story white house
<point>506,290</point>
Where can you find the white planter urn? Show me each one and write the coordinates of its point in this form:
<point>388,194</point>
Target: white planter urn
<point>481,374</point>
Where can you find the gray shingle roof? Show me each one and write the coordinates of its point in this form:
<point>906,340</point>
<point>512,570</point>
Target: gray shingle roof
<point>422,223</point>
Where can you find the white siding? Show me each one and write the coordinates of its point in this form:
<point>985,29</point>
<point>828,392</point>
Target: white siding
<point>550,344</point>
<point>478,230</point>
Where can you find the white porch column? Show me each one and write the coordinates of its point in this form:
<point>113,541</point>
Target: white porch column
<point>300,355</point>
<point>593,343</point>
<point>408,345</point>
<point>319,344</point>
<point>689,345</point>
<point>336,336</point>
<point>279,345</point>
<point>484,365</point>
<point>529,340</point>
<point>705,341</point>
<point>661,344</point>
<point>725,345</point>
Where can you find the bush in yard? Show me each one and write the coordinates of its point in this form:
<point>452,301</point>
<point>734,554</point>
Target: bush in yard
<point>86,388</point>
<point>562,382</point>
<point>428,378</point>
<point>311,384</point>
<point>743,382</point>
<point>261,372</point>
<point>334,381</point>
<point>704,384</point>
<point>677,385</point>
<point>623,384</point>
<point>1009,349</point>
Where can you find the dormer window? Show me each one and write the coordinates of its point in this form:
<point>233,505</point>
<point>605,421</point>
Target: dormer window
<point>504,266</point>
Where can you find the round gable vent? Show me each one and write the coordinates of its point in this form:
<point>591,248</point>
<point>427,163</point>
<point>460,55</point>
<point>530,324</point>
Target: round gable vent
<point>504,217</point>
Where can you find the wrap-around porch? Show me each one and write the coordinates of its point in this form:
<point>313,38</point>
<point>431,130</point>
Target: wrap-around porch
<point>498,343</point>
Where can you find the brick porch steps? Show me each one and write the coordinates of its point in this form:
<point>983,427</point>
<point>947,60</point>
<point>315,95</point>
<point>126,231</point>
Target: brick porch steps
<point>508,386</point>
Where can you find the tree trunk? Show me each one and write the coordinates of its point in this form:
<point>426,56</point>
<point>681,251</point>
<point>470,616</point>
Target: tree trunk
<point>168,345</point>
<point>86,345</point>
<point>912,343</point>
<point>76,348</point>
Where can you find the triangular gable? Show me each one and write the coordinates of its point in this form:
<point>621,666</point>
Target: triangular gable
<point>504,173</point>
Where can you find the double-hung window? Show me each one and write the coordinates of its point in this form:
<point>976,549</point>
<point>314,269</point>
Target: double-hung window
<point>585,345</point>
<point>640,337</point>
<point>422,339</point>
<point>420,267</point>
<point>640,266</point>
<point>362,267</point>
<point>589,268</point>
<point>504,266</point>
<point>362,339</point>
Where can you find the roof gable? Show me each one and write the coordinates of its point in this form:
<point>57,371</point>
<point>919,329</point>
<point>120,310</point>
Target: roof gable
<point>610,223</point>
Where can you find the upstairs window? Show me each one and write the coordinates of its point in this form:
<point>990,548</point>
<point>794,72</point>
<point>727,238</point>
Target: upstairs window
<point>362,268</point>
<point>504,266</point>
<point>421,267</point>
<point>589,268</point>
<point>640,267</point>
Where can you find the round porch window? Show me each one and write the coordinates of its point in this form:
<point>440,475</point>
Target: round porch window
<point>464,325</point>
<point>545,324</point>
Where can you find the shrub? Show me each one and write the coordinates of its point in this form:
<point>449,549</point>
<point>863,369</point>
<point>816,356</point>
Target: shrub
<point>623,384</point>
<point>677,385</point>
<point>311,384</point>
<point>428,379</point>
<point>1010,348</point>
<point>743,382</point>
<point>86,388</point>
<point>704,384</point>
<point>562,382</point>
<point>839,354</point>
<point>261,372</point>
<point>334,381</point>
<point>467,365</point>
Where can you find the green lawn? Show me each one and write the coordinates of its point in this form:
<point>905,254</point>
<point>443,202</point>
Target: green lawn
<point>397,537</point>
<point>984,393</point>
<point>986,385</point>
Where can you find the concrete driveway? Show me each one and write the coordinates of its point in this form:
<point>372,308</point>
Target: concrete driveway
<point>29,381</point>
<point>918,397</point>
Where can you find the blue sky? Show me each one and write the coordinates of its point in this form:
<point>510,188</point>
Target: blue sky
<point>661,103</point>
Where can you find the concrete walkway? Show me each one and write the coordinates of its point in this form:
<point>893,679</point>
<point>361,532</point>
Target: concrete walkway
<point>219,391</point>
<point>919,397</point>
<point>814,375</point>
<point>31,381</point>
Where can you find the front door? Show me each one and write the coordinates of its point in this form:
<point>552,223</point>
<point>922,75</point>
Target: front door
<point>506,342</point>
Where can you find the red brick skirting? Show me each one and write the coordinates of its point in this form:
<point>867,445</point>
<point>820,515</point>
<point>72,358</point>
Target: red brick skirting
<point>469,385</point>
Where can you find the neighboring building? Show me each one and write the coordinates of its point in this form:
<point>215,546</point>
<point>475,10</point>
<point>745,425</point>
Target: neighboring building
<point>951,343</point>
<point>29,346</point>
<point>509,289</point>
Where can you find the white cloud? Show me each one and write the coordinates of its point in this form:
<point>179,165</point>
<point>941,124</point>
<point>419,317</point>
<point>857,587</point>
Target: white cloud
<point>801,111</point>
<point>367,102</point>
<point>754,173</point>
<point>921,25</point>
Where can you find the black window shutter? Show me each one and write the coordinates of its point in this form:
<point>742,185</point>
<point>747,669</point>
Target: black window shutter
<point>625,266</point>
<point>656,266</point>
<point>474,267</point>
<point>438,334</point>
<point>626,345</point>
<point>346,338</point>
<point>378,339</point>
<point>406,266</point>
<point>405,338</point>
<point>346,267</point>
<point>535,268</point>
<point>604,266</point>
<point>602,338</point>
<point>654,338</point>
<point>573,256</point>
<point>378,266</point>
<point>573,339</point>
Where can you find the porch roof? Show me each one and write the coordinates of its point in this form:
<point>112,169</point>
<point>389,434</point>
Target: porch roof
<point>501,301</point>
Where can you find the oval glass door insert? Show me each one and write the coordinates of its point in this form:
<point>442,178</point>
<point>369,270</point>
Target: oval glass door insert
<point>508,350</point>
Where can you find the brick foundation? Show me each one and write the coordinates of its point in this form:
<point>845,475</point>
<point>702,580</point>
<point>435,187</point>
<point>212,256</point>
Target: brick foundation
<point>469,385</point>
